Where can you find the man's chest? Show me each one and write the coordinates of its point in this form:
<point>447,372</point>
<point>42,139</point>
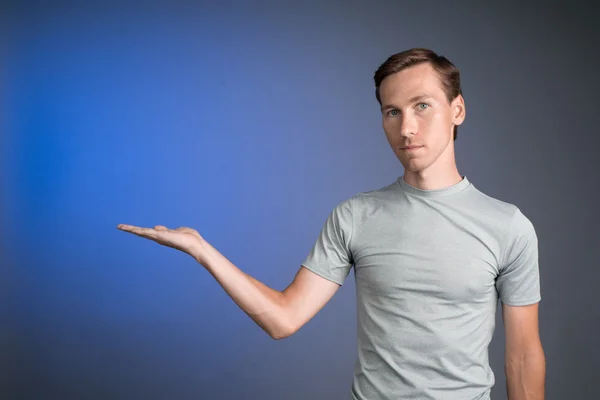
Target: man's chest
<point>452,261</point>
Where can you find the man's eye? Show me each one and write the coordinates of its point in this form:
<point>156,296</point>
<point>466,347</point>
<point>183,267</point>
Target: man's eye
<point>393,112</point>
<point>423,104</point>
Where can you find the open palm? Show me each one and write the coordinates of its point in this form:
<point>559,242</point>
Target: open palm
<point>183,239</point>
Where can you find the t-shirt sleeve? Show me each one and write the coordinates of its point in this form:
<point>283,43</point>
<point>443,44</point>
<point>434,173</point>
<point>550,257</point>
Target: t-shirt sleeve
<point>331,256</point>
<point>518,281</point>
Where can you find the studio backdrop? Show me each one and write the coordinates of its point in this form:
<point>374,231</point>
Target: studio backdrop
<point>250,121</point>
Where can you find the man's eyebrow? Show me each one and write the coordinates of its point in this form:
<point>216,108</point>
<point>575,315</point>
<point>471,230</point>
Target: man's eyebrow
<point>413,99</point>
<point>419,98</point>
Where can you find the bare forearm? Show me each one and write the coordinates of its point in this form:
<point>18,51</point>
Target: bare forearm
<point>525,375</point>
<point>264,305</point>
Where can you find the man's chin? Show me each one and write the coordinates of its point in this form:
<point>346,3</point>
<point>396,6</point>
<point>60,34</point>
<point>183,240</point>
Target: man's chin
<point>411,164</point>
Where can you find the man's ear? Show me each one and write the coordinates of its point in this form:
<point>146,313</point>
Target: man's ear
<point>458,110</point>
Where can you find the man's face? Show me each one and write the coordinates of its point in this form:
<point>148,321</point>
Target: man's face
<point>416,112</point>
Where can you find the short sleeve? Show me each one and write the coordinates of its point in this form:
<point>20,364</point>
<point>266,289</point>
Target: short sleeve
<point>518,280</point>
<point>331,256</point>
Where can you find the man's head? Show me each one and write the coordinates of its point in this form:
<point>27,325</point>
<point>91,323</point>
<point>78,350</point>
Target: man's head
<point>422,105</point>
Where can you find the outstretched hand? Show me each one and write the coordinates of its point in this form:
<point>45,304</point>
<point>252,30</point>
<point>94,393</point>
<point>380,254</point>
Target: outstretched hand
<point>184,239</point>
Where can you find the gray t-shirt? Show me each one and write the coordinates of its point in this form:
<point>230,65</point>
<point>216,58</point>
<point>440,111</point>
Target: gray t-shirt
<point>429,267</point>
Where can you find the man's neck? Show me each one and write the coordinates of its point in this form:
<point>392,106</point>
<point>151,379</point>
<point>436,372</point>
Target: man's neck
<point>425,180</point>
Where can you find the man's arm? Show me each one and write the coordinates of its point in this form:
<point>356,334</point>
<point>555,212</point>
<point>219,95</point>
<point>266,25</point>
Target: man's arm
<point>524,360</point>
<point>280,314</point>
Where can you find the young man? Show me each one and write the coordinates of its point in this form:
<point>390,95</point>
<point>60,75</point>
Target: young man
<point>431,254</point>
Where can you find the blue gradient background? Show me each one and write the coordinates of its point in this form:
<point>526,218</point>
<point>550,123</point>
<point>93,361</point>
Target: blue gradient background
<point>250,123</point>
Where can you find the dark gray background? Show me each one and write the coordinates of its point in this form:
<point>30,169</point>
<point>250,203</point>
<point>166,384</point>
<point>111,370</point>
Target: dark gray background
<point>250,123</point>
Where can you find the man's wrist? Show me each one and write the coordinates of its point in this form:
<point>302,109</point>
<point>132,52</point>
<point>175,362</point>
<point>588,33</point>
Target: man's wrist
<point>199,252</point>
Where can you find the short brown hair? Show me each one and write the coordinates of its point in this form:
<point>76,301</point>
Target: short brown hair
<point>448,73</point>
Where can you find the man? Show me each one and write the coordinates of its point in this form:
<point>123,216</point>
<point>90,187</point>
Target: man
<point>431,254</point>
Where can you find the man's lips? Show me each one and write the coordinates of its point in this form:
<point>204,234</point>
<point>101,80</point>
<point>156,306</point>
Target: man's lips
<point>411,147</point>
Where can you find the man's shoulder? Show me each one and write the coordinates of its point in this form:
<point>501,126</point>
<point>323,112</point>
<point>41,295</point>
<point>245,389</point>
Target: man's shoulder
<point>379,195</point>
<point>485,203</point>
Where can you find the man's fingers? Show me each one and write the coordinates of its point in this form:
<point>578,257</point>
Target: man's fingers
<point>145,232</point>
<point>127,228</point>
<point>185,229</point>
<point>136,230</point>
<point>163,235</point>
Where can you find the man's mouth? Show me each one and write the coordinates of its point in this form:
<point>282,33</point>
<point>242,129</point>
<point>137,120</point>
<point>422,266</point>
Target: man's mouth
<point>410,148</point>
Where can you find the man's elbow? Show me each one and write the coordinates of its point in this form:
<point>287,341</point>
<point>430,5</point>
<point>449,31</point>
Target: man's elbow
<point>532,361</point>
<point>284,330</point>
<point>275,322</point>
<point>280,335</point>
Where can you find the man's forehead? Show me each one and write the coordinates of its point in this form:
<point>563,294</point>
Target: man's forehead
<point>408,88</point>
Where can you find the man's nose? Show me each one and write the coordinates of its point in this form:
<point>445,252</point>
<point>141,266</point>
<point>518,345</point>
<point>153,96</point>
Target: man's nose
<point>408,126</point>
